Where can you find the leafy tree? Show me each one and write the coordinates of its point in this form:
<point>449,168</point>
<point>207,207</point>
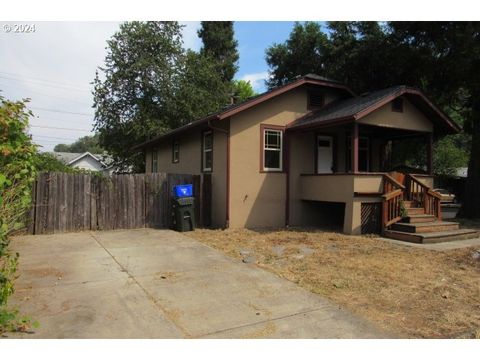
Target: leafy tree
<point>219,44</point>
<point>150,85</point>
<point>17,173</point>
<point>83,144</point>
<point>242,90</point>
<point>302,53</point>
<point>48,162</point>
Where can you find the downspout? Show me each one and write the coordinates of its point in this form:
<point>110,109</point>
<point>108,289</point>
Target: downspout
<point>227,177</point>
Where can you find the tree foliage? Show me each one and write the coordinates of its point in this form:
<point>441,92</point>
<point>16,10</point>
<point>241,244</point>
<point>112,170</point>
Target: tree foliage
<point>302,53</point>
<point>220,45</point>
<point>149,85</point>
<point>242,90</point>
<point>17,173</point>
<point>83,144</point>
<point>441,58</point>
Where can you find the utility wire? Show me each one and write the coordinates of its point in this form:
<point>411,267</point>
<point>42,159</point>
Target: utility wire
<point>34,82</point>
<point>61,111</point>
<point>45,95</point>
<point>59,128</point>
<point>41,79</point>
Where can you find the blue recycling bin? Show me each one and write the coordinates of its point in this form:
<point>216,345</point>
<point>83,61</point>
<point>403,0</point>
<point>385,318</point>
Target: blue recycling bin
<point>183,190</point>
<point>183,208</point>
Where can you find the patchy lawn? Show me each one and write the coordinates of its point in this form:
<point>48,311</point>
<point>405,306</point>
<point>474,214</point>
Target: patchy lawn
<point>413,292</point>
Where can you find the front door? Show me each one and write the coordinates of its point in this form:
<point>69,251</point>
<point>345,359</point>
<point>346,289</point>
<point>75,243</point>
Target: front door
<point>324,154</point>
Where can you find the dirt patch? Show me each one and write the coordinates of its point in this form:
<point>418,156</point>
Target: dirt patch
<point>413,292</point>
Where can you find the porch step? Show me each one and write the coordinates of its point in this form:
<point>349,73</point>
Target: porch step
<point>407,203</point>
<point>420,218</point>
<point>425,227</point>
<point>433,237</point>
<point>415,210</point>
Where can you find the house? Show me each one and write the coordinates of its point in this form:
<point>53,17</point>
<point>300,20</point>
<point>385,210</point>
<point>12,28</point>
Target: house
<point>86,161</point>
<point>312,153</point>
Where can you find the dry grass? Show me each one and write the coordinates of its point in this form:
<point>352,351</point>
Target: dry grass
<point>410,291</point>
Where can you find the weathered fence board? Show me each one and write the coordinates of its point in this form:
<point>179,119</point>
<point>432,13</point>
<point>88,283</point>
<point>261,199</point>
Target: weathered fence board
<point>65,202</point>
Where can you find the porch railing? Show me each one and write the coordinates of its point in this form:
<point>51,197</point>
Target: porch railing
<point>423,196</point>
<point>392,201</point>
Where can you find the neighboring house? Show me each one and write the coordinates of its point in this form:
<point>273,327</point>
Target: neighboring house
<point>86,161</point>
<point>309,153</point>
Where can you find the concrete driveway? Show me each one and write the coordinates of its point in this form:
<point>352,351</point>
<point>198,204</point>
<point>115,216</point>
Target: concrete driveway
<point>161,284</point>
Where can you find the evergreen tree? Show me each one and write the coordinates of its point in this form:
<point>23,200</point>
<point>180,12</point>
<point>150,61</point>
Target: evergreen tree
<point>219,44</point>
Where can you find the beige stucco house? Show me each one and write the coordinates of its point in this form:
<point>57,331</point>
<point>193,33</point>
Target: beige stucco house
<point>310,153</point>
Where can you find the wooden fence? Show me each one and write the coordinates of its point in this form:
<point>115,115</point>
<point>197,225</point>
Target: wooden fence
<point>76,202</point>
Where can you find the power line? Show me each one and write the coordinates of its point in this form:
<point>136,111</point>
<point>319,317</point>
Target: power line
<point>61,111</point>
<point>42,94</point>
<point>59,128</point>
<point>33,82</point>
<point>41,79</point>
<point>53,137</point>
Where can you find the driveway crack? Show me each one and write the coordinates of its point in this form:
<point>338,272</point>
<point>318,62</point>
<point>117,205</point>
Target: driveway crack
<point>146,292</point>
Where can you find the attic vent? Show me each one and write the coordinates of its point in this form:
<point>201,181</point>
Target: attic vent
<point>397,105</point>
<point>315,100</point>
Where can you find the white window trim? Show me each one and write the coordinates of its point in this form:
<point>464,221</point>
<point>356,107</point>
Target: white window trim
<point>204,151</point>
<point>266,169</point>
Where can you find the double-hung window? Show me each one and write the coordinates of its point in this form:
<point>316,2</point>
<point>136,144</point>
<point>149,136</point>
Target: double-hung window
<point>154,160</point>
<point>175,151</point>
<point>207,151</point>
<point>272,152</point>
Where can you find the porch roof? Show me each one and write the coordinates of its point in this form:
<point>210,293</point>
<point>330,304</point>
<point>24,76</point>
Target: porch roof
<point>354,108</point>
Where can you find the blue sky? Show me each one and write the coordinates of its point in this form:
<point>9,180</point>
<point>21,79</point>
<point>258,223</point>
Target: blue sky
<point>55,65</point>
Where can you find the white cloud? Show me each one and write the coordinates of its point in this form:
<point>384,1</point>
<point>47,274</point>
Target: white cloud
<point>257,80</point>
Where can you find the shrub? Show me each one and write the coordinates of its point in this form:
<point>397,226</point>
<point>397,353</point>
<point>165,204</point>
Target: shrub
<point>17,173</point>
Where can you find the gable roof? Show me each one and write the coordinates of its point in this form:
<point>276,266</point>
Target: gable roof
<point>70,158</point>
<point>355,108</point>
<point>234,109</point>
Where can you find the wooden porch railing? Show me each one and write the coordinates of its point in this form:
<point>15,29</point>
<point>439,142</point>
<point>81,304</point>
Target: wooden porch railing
<point>423,196</point>
<point>392,201</point>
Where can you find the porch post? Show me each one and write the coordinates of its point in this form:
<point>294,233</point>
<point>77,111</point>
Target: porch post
<point>355,147</point>
<point>429,143</point>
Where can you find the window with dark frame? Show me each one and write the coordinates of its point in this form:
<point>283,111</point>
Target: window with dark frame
<point>315,100</point>
<point>175,152</point>
<point>397,105</point>
<point>272,150</point>
<point>154,160</point>
<point>207,151</point>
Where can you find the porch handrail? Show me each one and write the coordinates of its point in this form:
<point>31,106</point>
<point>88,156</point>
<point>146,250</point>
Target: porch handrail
<point>390,180</point>
<point>392,208</point>
<point>423,196</point>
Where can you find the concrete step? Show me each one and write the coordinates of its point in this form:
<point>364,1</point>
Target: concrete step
<point>420,218</point>
<point>433,237</point>
<point>415,210</point>
<point>424,227</point>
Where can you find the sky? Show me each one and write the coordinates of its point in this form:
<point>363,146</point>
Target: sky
<point>55,65</point>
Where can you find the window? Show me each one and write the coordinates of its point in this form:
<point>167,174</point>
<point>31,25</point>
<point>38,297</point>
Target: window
<point>272,149</point>
<point>315,100</point>
<point>397,105</point>
<point>175,152</point>
<point>154,160</point>
<point>207,151</point>
<point>363,153</point>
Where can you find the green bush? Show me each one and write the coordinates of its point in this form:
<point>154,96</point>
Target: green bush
<point>17,173</point>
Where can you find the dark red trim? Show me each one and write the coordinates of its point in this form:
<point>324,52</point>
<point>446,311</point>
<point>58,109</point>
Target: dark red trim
<point>281,90</point>
<point>287,181</point>
<point>311,92</point>
<point>203,132</point>
<point>397,105</point>
<point>227,195</point>
<point>173,151</point>
<point>264,127</point>
<point>354,147</point>
<point>429,141</point>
